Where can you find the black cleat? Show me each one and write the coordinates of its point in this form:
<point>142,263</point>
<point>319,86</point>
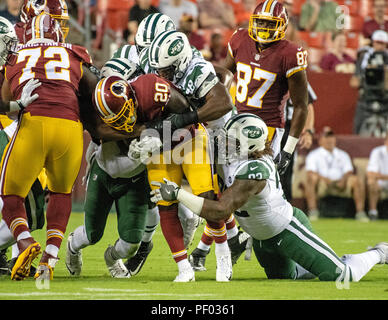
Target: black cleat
<point>4,268</point>
<point>197,259</point>
<point>237,245</point>
<point>135,263</point>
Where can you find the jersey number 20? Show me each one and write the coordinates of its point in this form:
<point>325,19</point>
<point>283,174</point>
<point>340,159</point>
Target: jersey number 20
<point>57,67</point>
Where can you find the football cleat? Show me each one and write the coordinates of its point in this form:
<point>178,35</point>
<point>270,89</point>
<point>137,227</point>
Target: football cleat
<point>197,259</point>
<point>186,275</point>
<point>238,245</point>
<point>135,263</point>
<point>73,260</point>
<point>4,266</point>
<point>29,249</point>
<point>382,248</point>
<point>224,268</point>
<point>116,268</point>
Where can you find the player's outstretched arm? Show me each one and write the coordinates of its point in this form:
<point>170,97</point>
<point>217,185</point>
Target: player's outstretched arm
<point>231,200</point>
<point>297,85</point>
<point>225,76</point>
<point>218,103</point>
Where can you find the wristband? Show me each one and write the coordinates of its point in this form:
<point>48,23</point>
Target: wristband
<point>290,144</point>
<point>15,106</point>
<point>186,119</point>
<point>191,201</point>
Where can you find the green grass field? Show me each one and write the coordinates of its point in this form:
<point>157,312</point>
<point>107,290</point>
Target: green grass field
<point>154,282</point>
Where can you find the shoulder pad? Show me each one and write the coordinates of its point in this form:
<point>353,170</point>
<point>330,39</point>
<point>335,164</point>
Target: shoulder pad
<point>254,170</point>
<point>82,53</point>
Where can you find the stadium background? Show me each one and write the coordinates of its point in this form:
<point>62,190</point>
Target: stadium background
<point>96,25</point>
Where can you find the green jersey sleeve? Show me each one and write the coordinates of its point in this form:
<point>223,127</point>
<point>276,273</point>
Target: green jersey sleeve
<point>253,170</point>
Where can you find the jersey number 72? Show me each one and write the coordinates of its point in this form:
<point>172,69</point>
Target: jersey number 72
<point>56,68</point>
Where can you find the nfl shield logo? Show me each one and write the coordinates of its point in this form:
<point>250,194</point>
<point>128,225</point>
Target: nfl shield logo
<point>257,57</point>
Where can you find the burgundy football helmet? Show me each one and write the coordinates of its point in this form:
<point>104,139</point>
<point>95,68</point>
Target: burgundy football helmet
<point>43,27</point>
<point>115,102</point>
<point>269,21</point>
<point>57,9</point>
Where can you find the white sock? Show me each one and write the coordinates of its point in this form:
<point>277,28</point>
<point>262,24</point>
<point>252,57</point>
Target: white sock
<point>184,213</point>
<point>52,250</point>
<point>15,250</point>
<point>183,265</point>
<point>6,237</point>
<point>222,249</point>
<point>203,246</point>
<point>361,263</point>
<point>126,249</point>
<point>230,233</point>
<point>151,225</point>
<point>24,235</point>
<point>80,239</point>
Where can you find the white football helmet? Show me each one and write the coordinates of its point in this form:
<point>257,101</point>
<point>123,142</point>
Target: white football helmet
<point>8,40</point>
<point>241,135</point>
<point>120,67</point>
<point>150,27</point>
<point>170,52</point>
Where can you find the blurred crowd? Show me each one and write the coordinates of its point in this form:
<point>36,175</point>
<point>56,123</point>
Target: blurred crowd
<point>332,31</point>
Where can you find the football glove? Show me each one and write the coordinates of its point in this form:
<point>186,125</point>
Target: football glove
<point>26,97</point>
<point>282,161</point>
<point>144,149</point>
<point>168,191</point>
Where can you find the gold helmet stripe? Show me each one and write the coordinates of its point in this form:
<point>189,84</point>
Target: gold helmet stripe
<point>267,6</point>
<point>100,101</point>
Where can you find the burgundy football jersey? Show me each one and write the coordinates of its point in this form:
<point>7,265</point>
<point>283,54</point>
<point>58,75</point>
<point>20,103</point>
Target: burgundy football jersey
<point>58,66</point>
<point>152,94</point>
<point>262,87</point>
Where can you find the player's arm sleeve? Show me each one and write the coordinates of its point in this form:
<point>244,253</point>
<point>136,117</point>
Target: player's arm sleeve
<point>295,60</point>
<point>254,170</point>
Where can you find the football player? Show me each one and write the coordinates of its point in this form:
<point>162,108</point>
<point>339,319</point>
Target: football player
<point>35,199</point>
<point>50,125</point>
<point>283,241</point>
<point>269,69</point>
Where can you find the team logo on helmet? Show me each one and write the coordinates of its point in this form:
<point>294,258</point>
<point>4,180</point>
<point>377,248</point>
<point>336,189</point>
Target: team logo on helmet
<point>3,28</point>
<point>176,47</point>
<point>252,132</point>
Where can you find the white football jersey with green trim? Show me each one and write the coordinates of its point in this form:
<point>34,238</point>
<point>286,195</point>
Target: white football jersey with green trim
<point>267,213</point>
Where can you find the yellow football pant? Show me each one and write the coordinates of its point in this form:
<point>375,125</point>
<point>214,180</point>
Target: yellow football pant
<point>42,142</point>
<point>190,159</point>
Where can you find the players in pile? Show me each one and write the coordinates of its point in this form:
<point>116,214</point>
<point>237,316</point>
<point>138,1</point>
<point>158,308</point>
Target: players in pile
<point>117,170</point>
<point>283,240</point>
<point>204,83</point>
